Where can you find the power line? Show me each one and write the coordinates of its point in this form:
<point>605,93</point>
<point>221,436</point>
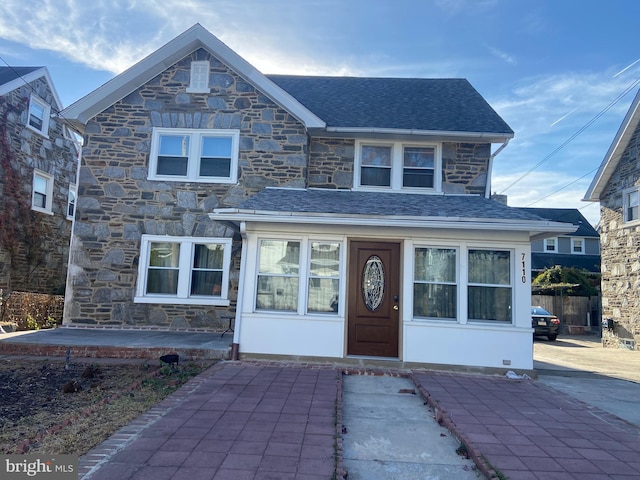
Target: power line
<point>572,137</point>
<point>562,188</point>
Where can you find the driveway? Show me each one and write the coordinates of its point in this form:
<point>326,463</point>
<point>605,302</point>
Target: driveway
<point>603,377</point>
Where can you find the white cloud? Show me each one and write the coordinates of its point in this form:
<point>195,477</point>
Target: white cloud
<point>510,59</point>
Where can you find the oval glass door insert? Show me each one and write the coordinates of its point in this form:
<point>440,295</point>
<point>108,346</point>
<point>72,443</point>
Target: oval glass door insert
<point>373,283</point>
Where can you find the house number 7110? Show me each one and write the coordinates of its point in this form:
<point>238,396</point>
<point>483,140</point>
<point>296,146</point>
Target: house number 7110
<point>524,268</point>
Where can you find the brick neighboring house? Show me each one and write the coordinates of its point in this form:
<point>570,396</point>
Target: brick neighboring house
<point>616,186</point>
<point>579,249</point>
<point>38,165</point>
<point>327,217</point>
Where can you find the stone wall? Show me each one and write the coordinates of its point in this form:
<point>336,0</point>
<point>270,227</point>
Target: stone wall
<point>118,204</point>
<point>40,264</point>
<point>465,167</point>
<point>620,251</point>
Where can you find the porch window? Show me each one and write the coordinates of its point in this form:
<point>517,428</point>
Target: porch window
<point>435,291</point>
<point>278,275</point>
<point>184,270</point>
<point>490,291</point>
<point>324,277</point>
<point>630,198</point>
<point>206,156</point>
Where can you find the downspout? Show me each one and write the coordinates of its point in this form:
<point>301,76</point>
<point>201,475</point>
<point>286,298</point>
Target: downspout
<point>487,192</point>
<point>235,346</point>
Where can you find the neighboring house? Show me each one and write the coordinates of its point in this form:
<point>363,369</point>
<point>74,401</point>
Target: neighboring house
<point>328,217</point>
<point>579,250</point>
<point>616,186</point>
<point>38,165</point>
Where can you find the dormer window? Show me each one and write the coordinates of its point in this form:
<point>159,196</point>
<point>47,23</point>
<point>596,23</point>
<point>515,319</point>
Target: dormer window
<point>39,112</point>
<point>199,78</point>
<point>398,166</point>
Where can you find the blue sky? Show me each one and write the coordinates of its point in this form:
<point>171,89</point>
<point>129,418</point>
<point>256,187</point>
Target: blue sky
<point>548,67</point>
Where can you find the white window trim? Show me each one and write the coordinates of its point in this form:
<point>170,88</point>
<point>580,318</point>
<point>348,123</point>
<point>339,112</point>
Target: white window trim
<point>625,194</point>
<point>303,277</point>
<point>397,165</point>
<point>555,245</point>
<point>72,189</point>
<point>457,282</point>
<point>576,241</point>
<point>199,83</point>
<point>48,208</point>
<point>45,115</point>
<point>194,154</point>
<point>184,276</point>
<point>512,286</point>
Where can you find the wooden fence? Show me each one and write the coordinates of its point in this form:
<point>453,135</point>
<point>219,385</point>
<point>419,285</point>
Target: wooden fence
<point>578,315</point>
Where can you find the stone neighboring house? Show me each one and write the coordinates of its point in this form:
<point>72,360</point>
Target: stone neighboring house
<point>324,217</point>
<point>38,165</point>
<point>616,186</point>
<point>579,249</point>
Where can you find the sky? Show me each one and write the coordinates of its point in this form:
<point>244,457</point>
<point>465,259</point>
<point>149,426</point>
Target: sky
<point>555,70</point>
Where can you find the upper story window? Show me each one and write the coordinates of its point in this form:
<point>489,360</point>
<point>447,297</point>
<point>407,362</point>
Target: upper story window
<point>550,245</point>
<point>199,78</point>
<point>71,201</point>
<point>39,112</point>
<point>42,192</point>
<point>630,205</point>
<point>577,246</point>
<point>398,166</point>
<point>186,270</point>
<point>207,156</point>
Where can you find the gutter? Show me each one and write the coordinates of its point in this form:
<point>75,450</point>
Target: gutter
<point>487,192</point>
<point>372,131</point>
<point>235,346</point>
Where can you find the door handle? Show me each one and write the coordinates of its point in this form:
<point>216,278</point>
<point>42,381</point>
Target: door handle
<point>395,307</point>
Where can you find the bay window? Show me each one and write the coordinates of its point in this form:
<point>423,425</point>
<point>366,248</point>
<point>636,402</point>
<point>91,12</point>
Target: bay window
<point>188,270</point>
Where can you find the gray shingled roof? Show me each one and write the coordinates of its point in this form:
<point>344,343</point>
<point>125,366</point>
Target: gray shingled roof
<point>543,261</point>
<point>8,74</point>
<point>567,215</point>
<point>346,202</point>
<point>445,105</point>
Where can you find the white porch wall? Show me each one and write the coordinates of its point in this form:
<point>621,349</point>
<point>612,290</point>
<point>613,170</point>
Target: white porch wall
<point>423,341</point>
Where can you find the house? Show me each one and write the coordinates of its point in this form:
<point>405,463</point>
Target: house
<point>579,249</point>
<point>616,186</point>
<point>320,217</point>
<point>38,161</point>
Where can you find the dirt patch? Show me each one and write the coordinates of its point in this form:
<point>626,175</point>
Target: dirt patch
<point>68,409</point>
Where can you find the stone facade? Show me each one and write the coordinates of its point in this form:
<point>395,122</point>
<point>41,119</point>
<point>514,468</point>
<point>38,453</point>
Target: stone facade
<point>620,250</point>
<point>118,203</point>
<point>40,264</point>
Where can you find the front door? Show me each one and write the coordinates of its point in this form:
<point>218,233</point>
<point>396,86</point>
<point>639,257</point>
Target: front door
<point>374,291</point>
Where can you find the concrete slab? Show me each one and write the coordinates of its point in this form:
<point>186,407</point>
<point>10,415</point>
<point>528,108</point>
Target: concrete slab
<point>392,434</point>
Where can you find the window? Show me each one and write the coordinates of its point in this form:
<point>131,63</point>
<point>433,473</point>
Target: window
<point>199,79</point>
<point>630,198</point>
<point>577,246</point>
<point>207,156</point>
<point>550,245</point>
<point>39,112</point>
<point>435,291</point>
<point>489,288</point>
<point>71,201</point>
<point>397,166</point>
<point>188,270</point>
<point>42,192</point>
<point>284,279</point>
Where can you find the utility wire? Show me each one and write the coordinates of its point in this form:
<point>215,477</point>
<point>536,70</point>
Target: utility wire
<point>562,188</point>
<point>572,137</point>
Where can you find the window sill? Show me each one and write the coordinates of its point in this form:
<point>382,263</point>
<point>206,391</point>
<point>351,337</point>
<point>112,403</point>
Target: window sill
<point>198,90</point>
<point>218,302</point>
<point>220,180</point>
<point>39,132</point>
<point>42,210</point>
